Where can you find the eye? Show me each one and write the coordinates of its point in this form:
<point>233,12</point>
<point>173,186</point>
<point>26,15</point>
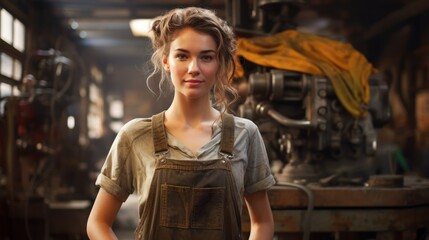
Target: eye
<point>181,56</point>
<point>207,58</point>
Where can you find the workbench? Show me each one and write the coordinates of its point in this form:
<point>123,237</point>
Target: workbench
<point>351,212</point>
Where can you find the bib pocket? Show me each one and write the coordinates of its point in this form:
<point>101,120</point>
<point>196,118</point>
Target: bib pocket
<point>185,207</point>
<point>208,208</point>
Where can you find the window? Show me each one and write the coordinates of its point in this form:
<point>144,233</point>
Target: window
<point>96,105</point>
<point>12,52</point>
<point>6,67</point>
<point>18,35</point>
<point>5,89</point>
<point>6,26</point>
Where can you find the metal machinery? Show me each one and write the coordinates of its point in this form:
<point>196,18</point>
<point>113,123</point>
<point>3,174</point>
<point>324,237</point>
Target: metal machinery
<point>330,182</point>
<point>40,162</point>
<point>314,135</point>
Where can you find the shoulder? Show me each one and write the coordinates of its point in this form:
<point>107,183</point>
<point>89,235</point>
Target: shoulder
<point>136,128</point>
<point>245,127</point>
<point>245,124</point>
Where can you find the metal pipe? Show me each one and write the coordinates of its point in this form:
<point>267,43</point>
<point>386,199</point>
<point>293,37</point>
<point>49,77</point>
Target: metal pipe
<point>306,225</point>
<point>265,109</point>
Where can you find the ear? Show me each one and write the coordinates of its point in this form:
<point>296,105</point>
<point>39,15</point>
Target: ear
<point>165,63</point>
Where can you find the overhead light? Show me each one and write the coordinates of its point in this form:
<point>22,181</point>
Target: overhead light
<point>83,34</point>
<point>71,122</point>
<point>73,24</point>
<point>141,27</point>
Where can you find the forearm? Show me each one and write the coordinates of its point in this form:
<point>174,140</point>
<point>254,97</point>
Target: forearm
<point>102,216</point>
<point>262,231</point>
<point>261,218</point>
<point>97,231</point>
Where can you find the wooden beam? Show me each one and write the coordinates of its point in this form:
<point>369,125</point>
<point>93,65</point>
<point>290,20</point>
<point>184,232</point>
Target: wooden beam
<point>412,9</point>
<point>14,10</point>
<point>132,5</point>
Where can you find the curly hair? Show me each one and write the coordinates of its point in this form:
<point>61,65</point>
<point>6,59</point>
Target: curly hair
<point>204,21</point>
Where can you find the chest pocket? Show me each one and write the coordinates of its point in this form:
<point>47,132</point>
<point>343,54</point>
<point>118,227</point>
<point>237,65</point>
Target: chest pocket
<point>195,208</point>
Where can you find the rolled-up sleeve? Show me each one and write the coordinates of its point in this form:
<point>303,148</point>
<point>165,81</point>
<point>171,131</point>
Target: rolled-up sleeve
<point>116,176</point>
<point>258,174</point>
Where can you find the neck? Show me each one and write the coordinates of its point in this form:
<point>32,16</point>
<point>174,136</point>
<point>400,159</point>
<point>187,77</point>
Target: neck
<point>191,111</point>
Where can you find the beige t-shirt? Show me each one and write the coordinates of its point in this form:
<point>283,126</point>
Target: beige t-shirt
<point>130,164</point>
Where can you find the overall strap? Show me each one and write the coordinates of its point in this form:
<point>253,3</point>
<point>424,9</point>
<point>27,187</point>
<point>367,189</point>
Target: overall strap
<point>158,132</point>
<point>227,140</point>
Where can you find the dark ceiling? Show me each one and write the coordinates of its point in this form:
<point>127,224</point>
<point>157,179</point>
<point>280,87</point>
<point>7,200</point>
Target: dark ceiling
<point>104,24</point>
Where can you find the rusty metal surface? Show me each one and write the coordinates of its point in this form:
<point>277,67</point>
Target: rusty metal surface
<point>414,193</point>
<point>349,220</point>
<point>386,181</point>
<point>383,210</point>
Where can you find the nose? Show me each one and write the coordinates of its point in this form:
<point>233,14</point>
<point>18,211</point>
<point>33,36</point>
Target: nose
<point>193,67</point>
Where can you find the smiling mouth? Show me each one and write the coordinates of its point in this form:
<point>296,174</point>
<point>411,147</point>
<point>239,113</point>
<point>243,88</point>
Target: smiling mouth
<point>193,81</point>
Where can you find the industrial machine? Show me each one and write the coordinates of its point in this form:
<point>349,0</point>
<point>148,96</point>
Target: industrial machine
<point>312,133</point>
<point>305,125</point>
<point>331,183</point>
<point>40,157</point>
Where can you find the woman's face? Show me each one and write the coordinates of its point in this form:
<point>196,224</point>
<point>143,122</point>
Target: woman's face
<point>192,63</point>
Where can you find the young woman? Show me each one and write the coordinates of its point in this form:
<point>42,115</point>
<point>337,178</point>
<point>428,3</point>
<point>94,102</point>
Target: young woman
<point>191,165</point>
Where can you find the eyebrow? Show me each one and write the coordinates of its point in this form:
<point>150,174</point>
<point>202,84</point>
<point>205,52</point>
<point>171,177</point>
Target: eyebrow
<point>204,51</point>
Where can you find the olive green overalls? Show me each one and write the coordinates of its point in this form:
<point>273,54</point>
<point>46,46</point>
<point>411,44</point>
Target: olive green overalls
<point>191,199</point>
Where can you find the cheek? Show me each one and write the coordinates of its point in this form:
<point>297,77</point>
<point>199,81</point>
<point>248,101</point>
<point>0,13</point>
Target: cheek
<point>211,71</point>
<point>176,69</point>
<point>176,66</point>
<point>209,67</point>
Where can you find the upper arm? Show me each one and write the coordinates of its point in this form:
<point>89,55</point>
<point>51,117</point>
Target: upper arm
<point>259,207</point>
<point>105,208</point>
<point>261,218</point>
<point>103,214</point>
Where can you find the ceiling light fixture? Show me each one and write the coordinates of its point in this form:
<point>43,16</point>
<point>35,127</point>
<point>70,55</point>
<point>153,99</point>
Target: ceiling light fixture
<point>83,34</point>
<point>73,24</point>
<point>140,27</point>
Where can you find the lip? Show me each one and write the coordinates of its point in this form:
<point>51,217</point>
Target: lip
<point>193,82</point>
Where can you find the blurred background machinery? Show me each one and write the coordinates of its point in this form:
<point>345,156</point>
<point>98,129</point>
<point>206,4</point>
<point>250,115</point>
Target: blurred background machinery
<point>310,131</point>
<point>44,175</point>
<point>304,122</point>
<point>331,175</point>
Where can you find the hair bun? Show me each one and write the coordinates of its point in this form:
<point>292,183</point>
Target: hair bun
<point>155,27</point>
